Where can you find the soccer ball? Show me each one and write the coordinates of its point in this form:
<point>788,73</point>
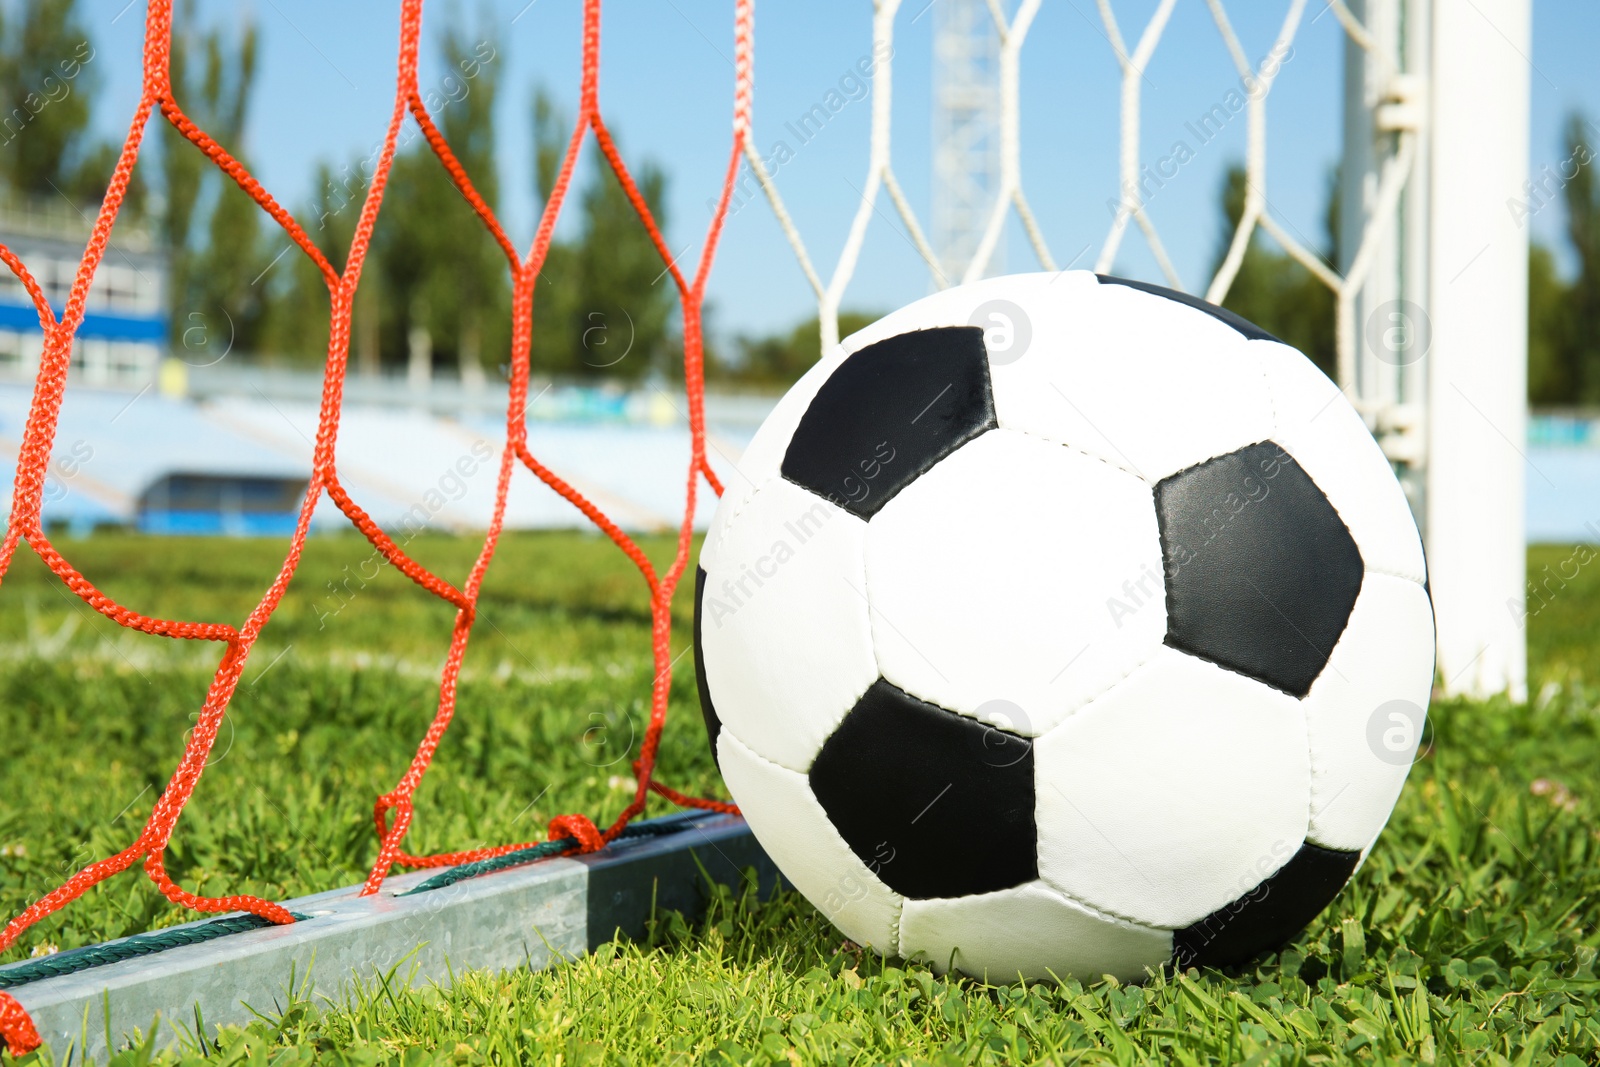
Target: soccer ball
<point>1064,625</point>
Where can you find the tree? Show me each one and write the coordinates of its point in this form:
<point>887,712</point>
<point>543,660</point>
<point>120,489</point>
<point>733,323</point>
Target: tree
<point>622,281</point>
<point>1550,367</point>
<point>1577,348</point>
<point>1275,291</point>
<point>48,81</point>
<point>211,228</point>
<point>439,280</point>
<point>47,78</point>
<point>474,267</point>
<point>555,291</point>
<point>296,326</point>
<point>603,302</point>
<point>1563,314</point>
<point>779,360</point>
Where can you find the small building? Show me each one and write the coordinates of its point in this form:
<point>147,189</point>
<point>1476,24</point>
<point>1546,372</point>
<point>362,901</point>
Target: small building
<point>136,459</point>
<point>242,505</point>
<point>123,336</point>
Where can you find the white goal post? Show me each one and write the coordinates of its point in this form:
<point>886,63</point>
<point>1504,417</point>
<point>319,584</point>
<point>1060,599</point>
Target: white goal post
<point>1477,370</point>
<point>1439,366</point>
<point>1431,290</point>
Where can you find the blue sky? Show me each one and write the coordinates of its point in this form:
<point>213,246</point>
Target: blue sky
<point>326,85</point>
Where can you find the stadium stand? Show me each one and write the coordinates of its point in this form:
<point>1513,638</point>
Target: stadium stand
<point>232,452</point>
<point>239,464</point>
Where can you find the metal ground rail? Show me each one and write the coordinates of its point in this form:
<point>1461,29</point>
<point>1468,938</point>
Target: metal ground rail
<point>534,915</point>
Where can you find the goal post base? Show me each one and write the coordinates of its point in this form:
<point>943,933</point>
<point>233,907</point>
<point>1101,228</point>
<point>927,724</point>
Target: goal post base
<point>536,915</point>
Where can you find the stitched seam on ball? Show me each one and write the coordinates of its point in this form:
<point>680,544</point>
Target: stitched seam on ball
<point>1414,579</point>
<point>1312,772</point>
<point>1266,379</point>
<point>1316,773</point>
<point>1227,451</point>
<point>838,837</point>
<point>748,747</point>
<point>1279,437</point>
<point>1284,440</point>
<point>1086,701</point>
<point>1080,450</point>
<point>1203,658</point>
<point>739,509</point>
<point>1103,914</point>
<point>894,927</point>
<point>866,597</point>
<point>1312,811</point>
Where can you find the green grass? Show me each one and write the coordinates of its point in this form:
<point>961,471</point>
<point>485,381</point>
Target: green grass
<point>1468,938</point>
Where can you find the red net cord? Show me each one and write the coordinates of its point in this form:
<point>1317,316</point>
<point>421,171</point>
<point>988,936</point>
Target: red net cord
<point>25,522</point>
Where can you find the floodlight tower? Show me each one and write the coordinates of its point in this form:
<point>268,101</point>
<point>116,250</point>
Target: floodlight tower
<point>966,139</point>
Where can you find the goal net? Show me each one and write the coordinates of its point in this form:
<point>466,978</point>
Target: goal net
<point>1383,260</point>
<point>393,811</point>
<point>1428,282</point>
<point>1392,96</point>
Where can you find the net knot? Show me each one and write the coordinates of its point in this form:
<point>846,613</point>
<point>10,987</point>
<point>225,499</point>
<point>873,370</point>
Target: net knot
<point>579,827</point>
<point>16,1029</point>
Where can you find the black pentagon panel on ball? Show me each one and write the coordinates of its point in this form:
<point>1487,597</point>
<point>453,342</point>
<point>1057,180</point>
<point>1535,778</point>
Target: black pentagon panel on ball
<point>934,803</point>
<point>1261,572</point>
<point>1249,329</point>
<point>888,413</point>
<point>1269,915</point>
<point>708,710</point>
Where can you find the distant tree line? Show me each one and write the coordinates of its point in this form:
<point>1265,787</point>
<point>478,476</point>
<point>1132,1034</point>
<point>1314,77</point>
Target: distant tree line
<point>1564,314</point>
<point>1282,297</point>
<point>435,285</point>
<point>436,288</point>
<point>1277,293</point>
<point>1272,289</point>
<point>48,76</point>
